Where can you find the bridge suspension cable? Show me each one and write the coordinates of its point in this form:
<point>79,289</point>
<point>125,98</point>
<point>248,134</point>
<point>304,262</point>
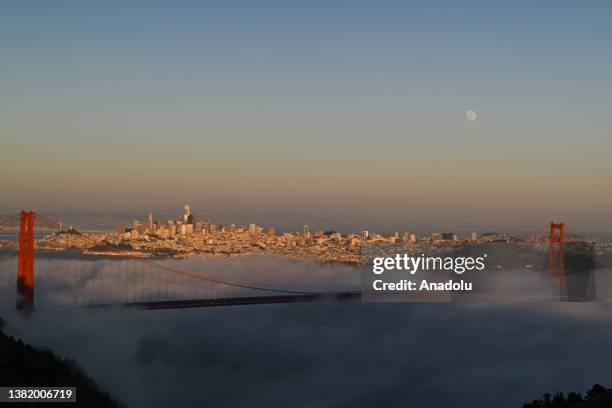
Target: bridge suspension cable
<point>8,221</point>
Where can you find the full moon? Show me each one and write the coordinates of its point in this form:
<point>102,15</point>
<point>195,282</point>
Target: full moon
<point>470,115</point>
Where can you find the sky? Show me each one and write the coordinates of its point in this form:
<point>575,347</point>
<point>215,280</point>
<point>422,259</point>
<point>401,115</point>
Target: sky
<point>339,113</point>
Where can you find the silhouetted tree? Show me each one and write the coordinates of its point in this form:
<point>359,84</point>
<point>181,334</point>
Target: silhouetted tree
<point>573,398</point>
<point>558,400</point>
<point>596,390</point>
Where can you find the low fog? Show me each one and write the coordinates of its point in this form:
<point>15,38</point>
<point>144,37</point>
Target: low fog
<point>328,353</point>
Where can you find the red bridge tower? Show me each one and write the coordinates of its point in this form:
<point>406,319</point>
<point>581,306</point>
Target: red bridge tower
<point>25,267</point>
<point>555,250</point>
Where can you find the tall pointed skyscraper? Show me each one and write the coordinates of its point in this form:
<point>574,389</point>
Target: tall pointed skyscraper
<point>150,222</point>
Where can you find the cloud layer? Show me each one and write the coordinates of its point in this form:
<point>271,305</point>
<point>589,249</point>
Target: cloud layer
<point>401,354</point>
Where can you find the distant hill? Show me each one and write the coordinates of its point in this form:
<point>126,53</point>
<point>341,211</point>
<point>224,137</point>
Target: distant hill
<point>24,365</point>
<point>598,396</point>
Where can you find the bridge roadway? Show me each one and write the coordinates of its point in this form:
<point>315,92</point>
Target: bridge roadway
<point>235,301</point>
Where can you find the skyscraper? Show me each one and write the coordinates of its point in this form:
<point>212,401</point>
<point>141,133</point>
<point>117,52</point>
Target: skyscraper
<point>150,222</point>
<point>186,213</point>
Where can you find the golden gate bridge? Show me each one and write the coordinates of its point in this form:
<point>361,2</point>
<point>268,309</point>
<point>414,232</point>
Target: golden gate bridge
<point>131,281</point>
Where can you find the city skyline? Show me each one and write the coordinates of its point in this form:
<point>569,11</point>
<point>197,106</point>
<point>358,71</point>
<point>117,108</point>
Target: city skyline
<point>151,221</point>
<point>351,113</point>
<point>189,234</point>
<point>287,222</point>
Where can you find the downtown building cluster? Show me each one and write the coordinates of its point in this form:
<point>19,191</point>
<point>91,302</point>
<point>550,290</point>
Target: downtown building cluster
<point>188,234</point>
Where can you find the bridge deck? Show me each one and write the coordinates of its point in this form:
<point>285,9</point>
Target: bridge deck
<point>235,301</point>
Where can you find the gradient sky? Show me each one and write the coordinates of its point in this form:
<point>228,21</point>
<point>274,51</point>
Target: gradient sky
<point>347,112</point>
